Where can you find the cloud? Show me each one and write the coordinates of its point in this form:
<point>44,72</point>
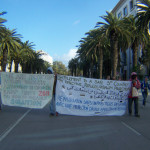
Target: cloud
<point>76,22</point>
<point>66,57</point>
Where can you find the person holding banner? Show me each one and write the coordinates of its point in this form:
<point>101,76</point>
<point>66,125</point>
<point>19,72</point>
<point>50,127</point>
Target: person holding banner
<point>144,88</point>
<point>52,103</point>
<point>133,95</point>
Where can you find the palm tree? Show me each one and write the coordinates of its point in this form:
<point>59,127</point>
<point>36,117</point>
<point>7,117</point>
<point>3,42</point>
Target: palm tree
<point>27,56</point>
<point>114,30</point>
<point>10,40</point>
<point>138,38</point>
<point>36,62</point>
<point>72,65</point>
<point>85,57</point>
<point>143,14</point>
<point>17,55</point>
<point>145,58</point>
<point>1,19</point>
<point>94,47</point>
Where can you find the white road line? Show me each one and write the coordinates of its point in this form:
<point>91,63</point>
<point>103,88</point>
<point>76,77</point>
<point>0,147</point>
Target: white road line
<point>9,129</point>
<point>136,132</point>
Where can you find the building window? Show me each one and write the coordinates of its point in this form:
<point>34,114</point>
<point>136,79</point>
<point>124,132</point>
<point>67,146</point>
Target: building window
<point>120,15</point>
<point>131,5</point>
<point>125,11</point>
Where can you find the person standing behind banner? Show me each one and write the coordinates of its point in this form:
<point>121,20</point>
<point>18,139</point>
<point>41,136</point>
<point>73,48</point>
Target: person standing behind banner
<point>52,103</point>
<point>144,88</point>
<point>133,95</point>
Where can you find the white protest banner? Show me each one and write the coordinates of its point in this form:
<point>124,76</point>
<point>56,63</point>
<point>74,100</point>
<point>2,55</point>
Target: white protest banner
<point>26,90</point>
<point>90,97</point>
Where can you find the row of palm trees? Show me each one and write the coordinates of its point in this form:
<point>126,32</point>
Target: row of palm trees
<point>101,47</point>
<point>23,53</point>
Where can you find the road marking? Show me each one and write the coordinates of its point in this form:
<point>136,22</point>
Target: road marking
<point>136,132</point>
<point>11,127</point>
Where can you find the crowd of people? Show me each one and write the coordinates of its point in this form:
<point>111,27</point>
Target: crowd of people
<point>133,96</point>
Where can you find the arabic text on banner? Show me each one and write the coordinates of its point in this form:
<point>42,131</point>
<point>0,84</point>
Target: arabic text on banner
<point>89,97</point>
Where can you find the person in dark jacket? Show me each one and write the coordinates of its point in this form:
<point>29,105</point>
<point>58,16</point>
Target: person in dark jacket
<point>52,103</point>
<point>135,85</point>
<point>144,88</point>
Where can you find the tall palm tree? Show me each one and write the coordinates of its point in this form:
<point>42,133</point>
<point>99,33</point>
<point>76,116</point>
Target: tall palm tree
<point>145,58</point>
<point>36,62</point>
<point>17,55</point>
<point>143,14</point>
<point>97,44</point>
<point>2,21</point>
<point>10,40</point>
<point>138,37</point>
<point>113,28</point>
<point>72,65</point>
<point>86,56</point>
<point>27,56</point>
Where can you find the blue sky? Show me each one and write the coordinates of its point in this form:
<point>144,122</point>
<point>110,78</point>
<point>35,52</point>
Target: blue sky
<point>55,26</point>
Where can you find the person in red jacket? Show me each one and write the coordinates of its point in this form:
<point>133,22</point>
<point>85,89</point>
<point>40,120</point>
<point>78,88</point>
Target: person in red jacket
<point>135,85</point>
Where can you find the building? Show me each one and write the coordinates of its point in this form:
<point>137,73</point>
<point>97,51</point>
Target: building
<point>124,8</point>
<point>45,56</point>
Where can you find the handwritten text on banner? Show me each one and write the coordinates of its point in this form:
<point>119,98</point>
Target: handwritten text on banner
<point>88,97</point>
<point>26,90</point>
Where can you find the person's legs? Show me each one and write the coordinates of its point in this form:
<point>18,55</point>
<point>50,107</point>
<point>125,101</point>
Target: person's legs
<point>144,98</point>
<point>52,106</point>
<point>130,105</point>
<point>136,107</point>
<point>0,102</point>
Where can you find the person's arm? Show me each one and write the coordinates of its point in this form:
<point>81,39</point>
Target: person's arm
<point>54,87</point>
<point>142,86</point>
<point>149,86</point>
<point>138,85</point>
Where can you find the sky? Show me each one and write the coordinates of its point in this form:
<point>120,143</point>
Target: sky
<point>55,26</point>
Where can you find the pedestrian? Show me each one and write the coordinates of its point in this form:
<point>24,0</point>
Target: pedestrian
<point>52,103</point>
<point>133,94</point>
<point>144,88</point>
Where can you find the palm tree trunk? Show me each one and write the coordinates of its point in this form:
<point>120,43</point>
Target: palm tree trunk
<point>16,65</point>
<point>4,60</point>
<point>135,50</point>
<point>10,65</point>
<point>100,63</point>
<point>114,49</point>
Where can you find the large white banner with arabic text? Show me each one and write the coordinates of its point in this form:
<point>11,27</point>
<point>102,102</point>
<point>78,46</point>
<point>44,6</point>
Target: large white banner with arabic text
<point>90,97</point>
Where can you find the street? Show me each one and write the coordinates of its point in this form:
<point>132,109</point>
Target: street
<point>33,129</point>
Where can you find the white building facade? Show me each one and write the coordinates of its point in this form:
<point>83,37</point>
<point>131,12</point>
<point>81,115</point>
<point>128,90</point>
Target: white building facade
<point>125,8</point>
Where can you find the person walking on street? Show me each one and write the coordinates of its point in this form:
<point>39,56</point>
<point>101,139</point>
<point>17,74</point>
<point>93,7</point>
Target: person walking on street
<point>144,88</point>
<point>133,94</point>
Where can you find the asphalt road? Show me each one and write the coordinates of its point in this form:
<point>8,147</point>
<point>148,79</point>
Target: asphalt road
<point>31,129</point>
